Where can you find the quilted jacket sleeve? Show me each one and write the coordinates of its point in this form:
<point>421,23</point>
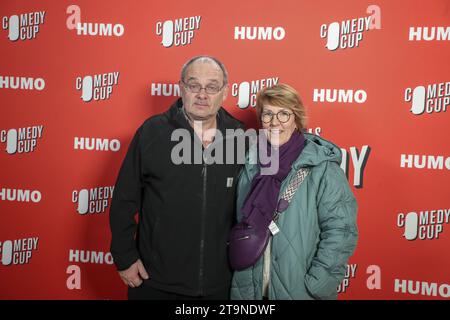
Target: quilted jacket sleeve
<point>337,209</point>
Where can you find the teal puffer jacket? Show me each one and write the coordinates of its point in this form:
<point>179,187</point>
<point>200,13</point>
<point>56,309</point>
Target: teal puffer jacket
<point>318,231</point>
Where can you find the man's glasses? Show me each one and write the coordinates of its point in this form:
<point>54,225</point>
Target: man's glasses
<point>197,87</point>
<point>282,116</point>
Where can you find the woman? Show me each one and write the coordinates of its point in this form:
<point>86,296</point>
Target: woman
<point>317,233</point>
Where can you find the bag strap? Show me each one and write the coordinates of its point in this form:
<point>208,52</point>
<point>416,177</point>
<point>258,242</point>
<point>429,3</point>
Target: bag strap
<point>301,174</point>
<point>288,194</point>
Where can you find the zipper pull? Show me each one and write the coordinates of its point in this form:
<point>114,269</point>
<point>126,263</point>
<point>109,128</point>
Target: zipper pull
<point>203,170</point>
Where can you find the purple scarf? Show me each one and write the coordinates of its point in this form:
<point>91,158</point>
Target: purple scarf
<point>263,195</point>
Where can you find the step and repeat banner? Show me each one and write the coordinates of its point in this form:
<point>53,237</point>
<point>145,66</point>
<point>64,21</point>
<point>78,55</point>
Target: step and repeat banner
<point>78,78</point>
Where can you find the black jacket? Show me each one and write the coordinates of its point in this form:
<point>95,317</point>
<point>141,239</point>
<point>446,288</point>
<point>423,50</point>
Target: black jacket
<point>184,211</point>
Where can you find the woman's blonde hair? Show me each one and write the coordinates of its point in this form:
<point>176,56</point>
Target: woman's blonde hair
<point>282,95</point>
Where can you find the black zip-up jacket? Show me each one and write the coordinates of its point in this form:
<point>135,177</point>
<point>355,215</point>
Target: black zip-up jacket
<point>185,211</point>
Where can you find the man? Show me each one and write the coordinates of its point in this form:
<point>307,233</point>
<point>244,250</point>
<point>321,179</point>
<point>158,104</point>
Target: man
<point>178,249</point>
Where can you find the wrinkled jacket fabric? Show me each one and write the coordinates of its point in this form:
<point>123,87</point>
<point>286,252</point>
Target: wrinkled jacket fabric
<point>318,231</point>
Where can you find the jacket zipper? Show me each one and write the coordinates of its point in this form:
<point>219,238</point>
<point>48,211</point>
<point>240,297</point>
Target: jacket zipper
<point>202,230</point>
<point>266,269</point>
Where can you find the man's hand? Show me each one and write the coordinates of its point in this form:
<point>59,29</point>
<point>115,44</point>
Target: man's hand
<point>134,274</point>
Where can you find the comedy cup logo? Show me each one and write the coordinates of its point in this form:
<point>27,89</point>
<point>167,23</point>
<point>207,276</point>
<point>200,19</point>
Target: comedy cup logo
<point>178,32</point>
<point>349,33</point>
<point>23,27</point>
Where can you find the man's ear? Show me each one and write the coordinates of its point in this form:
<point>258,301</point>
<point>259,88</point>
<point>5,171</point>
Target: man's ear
<point>182,88</point>
<point>225,93</point>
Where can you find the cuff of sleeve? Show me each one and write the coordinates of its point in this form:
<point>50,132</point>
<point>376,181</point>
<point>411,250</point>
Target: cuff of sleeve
<point>124,261</point>
<point>322,286</point>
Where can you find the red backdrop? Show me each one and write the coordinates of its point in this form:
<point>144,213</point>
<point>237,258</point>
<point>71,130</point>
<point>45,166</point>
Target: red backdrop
<point>78,78</point>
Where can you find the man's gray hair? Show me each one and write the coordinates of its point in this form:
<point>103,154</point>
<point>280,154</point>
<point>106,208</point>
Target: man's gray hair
<point>205,59</point>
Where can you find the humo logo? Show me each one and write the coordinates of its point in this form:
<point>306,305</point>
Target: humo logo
<point>422,288</point>
<point>19,251</point>
<point>21,140</point>
<point>359,162</point>
<point>25,26</point>
<point>165,89</point>
<point>349,33</point>
<point>350,273</point>
<point>97,87</point>
<point>259,33</point>
<point>246,91</point>
<point>22,83</point>
<point>424,162</point>
<point>91,29</point>
<point>434,98</point>
<point>179,32</point>
<point>85,256</point>
<point>20,195</point>
<point>339,95</point>
<point>93,200</point>
<point>429,33</point>
<point>425,225</point>
<point>97,144</point>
